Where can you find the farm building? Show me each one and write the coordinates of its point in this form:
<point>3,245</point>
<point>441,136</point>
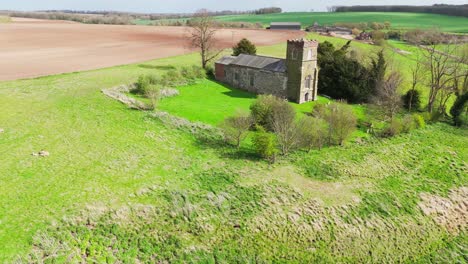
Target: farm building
<point>285,26</point>
<point>294,78</point>
<point>329,30</point>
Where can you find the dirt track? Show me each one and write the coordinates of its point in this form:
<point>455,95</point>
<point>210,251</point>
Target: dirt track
<point>32,48</point>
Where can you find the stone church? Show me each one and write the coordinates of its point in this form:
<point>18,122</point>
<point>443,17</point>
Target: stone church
<point>294,78</point>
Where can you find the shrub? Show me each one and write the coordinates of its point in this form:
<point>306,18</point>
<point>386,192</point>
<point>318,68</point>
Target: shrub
<point>244,47</point>
<point>210,71</point>
<point>262,110</point>
<point>426,116</point>
<point>356,32</point>
<point>265,144</point>
<point>419,121</point>
<point>394,35</point>
<point>459,110</point>
<point>341,121</point>
<point>235,128</point>
<point>377,26</point>
<point>142,84</point>
<point>393,128</point>
<point>153,92</point>
<point>412,100</point>
<point>198,72</point>
<point>173,78</point>
<point>407,124</point>
<point>313,132</point>
<point>284,125</point>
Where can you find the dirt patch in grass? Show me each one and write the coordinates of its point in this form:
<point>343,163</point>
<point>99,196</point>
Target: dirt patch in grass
<point>450,212</point>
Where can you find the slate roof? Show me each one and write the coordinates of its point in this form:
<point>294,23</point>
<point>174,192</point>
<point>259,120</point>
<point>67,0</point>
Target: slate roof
<point>226,60</point>
<point>256,62</point>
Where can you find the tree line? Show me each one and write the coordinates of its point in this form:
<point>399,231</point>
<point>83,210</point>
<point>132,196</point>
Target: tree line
<point>442,9</point>
<point>126,18</point>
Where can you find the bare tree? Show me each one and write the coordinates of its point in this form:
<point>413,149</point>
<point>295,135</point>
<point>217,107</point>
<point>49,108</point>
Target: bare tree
<point>416,78</point>
<point>285,127</point>
<point>235,128</point>
<point>341,121</point>
<point>387,99</point>
<point>202,36</point>
<point>444,69</point>
<point>313,132</point>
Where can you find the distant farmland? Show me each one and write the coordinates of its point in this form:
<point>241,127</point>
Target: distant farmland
<point>398,20</point>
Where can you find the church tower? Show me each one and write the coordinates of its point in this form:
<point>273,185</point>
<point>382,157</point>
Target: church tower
<point>302,70</point>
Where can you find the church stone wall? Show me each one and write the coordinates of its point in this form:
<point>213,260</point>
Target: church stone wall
<point>256,81</point>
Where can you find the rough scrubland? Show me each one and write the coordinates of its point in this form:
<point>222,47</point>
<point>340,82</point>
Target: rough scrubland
<point>120,184</point>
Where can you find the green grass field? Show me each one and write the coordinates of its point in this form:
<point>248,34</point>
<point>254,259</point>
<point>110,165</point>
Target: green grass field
<point>121,185</point>
<point>402,21</point>
<point>398,20</point>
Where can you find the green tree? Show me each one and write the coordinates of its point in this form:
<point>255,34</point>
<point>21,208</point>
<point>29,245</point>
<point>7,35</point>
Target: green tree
<point>377,73</point>
<point>262,110</point>
<point>459,110</point>
<point>342,76</point>
<point>265,144</point>
<point>244,47</point>
<point>412,100</point>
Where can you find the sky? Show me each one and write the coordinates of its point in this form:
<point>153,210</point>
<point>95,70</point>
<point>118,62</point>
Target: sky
<point>188,6</point>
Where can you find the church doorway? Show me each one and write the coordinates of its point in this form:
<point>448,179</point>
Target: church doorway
<point>307,97</point>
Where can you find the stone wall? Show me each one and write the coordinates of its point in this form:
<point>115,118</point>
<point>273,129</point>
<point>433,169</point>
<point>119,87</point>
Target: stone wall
<point>256,81</point>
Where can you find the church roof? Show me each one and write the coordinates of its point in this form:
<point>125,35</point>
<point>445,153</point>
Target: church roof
<point>257,62</point>
<point>226,60</point>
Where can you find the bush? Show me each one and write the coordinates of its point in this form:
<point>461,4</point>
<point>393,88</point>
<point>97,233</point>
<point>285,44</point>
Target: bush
<point>407,124</point>
<point>153,92</point>
<point>419,121</point>
<point>459,110</point>
<point>426,116</point>
<point>412,100</point>
<point>173,78</point>
<point>262,110</point>
<point>285,127</point>
<point>244,47</point>
<point>144,82</point>
<point>396,35</point>
<point>210,71</point>
<point>393,128</point>
<point>377,26</point>
<point>341,121</point>
<point>265,144</point>
<point>356,32</point>
<point>235,128</point>
<point>313,132</point>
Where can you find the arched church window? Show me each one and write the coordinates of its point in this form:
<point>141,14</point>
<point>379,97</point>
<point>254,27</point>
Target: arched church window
<point>294,54</point>
<point>308,80</point>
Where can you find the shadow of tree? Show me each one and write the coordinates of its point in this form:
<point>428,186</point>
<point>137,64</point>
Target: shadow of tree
<point>156,67</point>
<point>234,92</point>
<point>204,141</point>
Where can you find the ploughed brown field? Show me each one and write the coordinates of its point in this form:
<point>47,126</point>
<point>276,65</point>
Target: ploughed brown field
<point>32,48</point>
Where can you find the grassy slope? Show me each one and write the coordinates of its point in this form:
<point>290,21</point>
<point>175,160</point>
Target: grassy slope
<point>103,153</point>
<point>398,20</point>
